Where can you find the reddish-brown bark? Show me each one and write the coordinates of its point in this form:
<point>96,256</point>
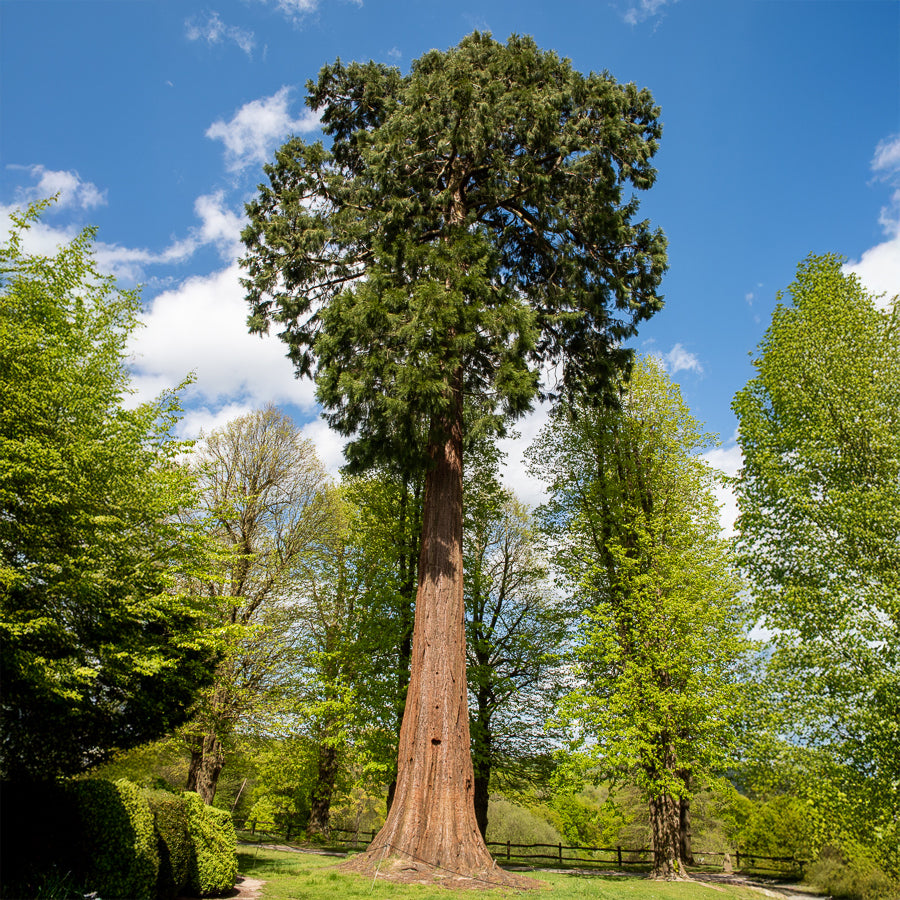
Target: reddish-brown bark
<point>431,826</point>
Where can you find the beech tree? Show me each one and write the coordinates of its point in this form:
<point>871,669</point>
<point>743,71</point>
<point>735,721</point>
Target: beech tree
<point>103,645</point>
<point>266,504</point>
<point>468,225</point>
<point>634,516</point>
<point>819,525</point>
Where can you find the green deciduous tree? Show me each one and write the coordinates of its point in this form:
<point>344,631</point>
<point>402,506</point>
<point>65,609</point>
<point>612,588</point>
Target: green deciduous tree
<point>102,646</point>
<point>266,504</point>
<point>469,223</point>
<point>819,524</point>
<point>515,631</point>
<point>633,511</point>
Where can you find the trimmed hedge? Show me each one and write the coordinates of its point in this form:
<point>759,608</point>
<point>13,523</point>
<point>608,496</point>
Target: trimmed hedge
<point>118,839</point>
<point>215,846</point>
<point>115,840</point>
<point>174,844</point>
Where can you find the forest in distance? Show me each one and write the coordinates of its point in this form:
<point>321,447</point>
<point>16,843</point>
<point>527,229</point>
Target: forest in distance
<point>411,650</point>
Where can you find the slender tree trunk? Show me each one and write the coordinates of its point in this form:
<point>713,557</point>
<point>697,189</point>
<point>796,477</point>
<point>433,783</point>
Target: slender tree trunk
<point>481,761</point>
<point>320,800</point>
<point>207,760</point>
<point>665,830</point>
<point>431,828</point>
<point>408,570</point>
<point>684,821</point>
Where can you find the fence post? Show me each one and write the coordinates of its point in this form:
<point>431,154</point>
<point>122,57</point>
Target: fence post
<point>619,855</point>
<point>253,827</point>
<point>737,857</point>
<point>507,850</point>
<point>560,854</point>
<point>287,836</point>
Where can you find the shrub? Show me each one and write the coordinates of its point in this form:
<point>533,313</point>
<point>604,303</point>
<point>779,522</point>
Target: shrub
<point>509,822</point>
<point>173,841</point>
<point>214,869</point>
<point>119,846</point>
<point>853,879</point>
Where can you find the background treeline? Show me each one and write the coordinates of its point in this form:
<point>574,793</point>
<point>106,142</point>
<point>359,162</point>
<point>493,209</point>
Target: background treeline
<point>224,618</point>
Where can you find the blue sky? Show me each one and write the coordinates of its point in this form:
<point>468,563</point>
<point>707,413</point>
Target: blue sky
<point>152,119</point>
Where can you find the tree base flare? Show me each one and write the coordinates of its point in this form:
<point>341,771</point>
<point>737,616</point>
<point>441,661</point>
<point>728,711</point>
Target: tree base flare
<point>402,869</point>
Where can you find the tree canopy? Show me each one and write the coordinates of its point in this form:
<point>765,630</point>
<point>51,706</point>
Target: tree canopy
<point>634,517</point>
<point>469,218</point>
<point>102,645</point>
<point>819,524</point>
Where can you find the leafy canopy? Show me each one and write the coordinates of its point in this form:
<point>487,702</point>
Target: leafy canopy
<point>819,525</point>
<point>469,221</point>
<point>635,519</point>
<point>98,641</point>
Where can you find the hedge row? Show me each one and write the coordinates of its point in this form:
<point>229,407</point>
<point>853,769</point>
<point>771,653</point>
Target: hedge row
<point>114,840</point>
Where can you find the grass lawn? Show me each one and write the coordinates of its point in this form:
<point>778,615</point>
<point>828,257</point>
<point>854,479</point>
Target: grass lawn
<point>307,876</point>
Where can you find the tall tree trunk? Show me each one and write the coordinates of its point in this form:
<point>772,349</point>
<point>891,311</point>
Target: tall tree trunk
<point>665,831</point>
<point>431,828</point>
<point>320,800</point>
<point>207,760</point>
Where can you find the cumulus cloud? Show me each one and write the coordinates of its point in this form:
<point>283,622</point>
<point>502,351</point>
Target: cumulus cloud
<point>200,327</point>
<point>514,473</point>
<point>678,359</point>
<point>879,267</point>
<point>219,226</point>
<point>643,10</point>
<point>729,461</point>
<point>66,185</point>
<point>213,30</point>
<point>256,127</point>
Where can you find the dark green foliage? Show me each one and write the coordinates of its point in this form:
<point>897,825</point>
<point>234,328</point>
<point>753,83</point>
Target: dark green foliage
<point>118,840</point>
<point>98,648</point>
<point>471,221</point>
<point>215,848</point>
<point>174,843</point>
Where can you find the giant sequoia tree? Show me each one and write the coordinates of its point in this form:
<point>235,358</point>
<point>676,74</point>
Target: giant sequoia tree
<point>471,222</point>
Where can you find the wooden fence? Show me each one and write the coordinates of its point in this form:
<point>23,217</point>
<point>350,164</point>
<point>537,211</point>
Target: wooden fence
<point>561,854</point>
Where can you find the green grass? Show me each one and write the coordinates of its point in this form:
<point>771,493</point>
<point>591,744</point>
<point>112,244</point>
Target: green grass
<point>307,876</point>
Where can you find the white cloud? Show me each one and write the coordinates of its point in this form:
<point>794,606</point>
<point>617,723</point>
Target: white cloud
<point>256,127</point>
<point>678,359</point>
<point>644,9</point>
<point>218,226</point>
<point>328,443</point>
<point>728,460</point>
<point>213,30</point>
<point>514,474</point>
<point>879,267</point>
<point>70,190</point>
<point>200,327</point>
<point>887,155</point>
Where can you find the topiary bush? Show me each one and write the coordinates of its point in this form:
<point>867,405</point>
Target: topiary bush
<point>214,868</point>
<point>173,841</point>
<point>118,840</point>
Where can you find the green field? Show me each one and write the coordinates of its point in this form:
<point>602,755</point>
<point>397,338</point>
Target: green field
<point>308,876</point>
